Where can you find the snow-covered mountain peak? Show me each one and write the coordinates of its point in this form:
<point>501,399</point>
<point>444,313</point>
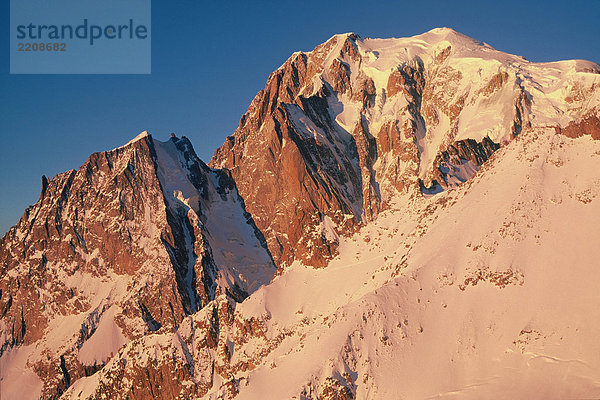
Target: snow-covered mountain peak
<point>443,30</point>
<point>437,35</point>
<point>363,118</point>
<point>429,204</point>
<point>134,241</point>
<point>140,136</point>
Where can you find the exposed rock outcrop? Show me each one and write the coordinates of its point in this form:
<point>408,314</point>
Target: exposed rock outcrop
<point>589,124</point>
<point>458,162</point>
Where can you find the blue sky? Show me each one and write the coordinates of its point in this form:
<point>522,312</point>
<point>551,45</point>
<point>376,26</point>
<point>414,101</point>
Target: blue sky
<point>210,58</point>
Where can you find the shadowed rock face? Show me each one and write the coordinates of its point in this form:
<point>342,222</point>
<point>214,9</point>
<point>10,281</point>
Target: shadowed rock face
<point>110,236</point>
<point>449,162</point>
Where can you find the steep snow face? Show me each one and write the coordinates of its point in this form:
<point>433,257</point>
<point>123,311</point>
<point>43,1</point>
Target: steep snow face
<point>212,209</point>
<point>341,130</point>
<point>117,249</point>
<point>104,343</point>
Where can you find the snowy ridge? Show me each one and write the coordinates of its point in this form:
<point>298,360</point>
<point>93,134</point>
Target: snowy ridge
<point>142,135</point>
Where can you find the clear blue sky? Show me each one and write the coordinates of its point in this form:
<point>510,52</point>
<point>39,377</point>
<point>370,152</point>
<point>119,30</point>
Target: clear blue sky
<point>210,58</point>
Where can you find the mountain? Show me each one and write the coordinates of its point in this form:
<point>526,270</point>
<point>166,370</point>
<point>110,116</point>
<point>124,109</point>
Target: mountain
<point>393,218</point>
<point>338,131</point>
<point>132,242</point>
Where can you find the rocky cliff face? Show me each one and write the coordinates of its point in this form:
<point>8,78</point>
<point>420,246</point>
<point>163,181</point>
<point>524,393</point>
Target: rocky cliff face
<point>132,242</point>
<point>148,274</point>
<point>338,131</point>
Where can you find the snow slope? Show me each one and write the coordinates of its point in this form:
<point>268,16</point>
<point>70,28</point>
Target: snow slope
<point>489,291</point>
<point>485,291</point>
<point>239,256</point>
